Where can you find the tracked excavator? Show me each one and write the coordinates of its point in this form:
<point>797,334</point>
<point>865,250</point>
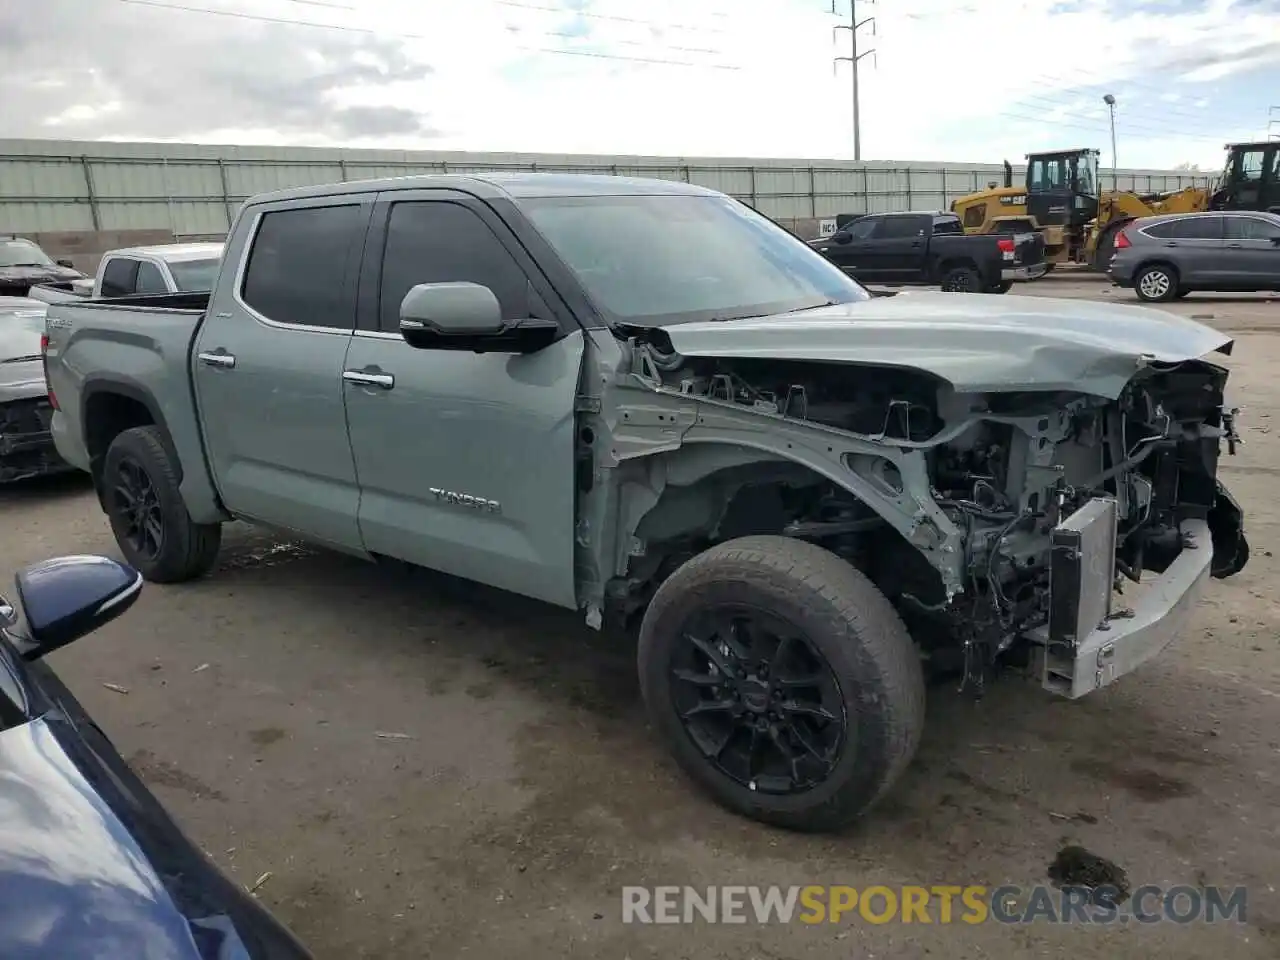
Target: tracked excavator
<point>1062,199</point>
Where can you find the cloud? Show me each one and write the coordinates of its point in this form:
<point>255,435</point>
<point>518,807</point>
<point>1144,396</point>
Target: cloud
<point>101,68</point>
<point>667,77</point>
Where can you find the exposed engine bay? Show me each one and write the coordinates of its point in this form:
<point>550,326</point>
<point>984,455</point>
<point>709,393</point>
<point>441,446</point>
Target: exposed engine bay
<point>1001,468</point>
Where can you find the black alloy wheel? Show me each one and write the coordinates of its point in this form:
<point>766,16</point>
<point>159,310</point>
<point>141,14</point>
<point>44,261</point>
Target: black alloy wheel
<point>758,699</point>
<point>136,502</point>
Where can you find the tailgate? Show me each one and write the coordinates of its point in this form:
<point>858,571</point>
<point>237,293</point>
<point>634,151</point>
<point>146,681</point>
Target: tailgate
<point>1028,249</point>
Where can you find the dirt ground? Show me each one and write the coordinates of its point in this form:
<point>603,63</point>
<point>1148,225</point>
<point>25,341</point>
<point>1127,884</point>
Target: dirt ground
<point>527,790</point>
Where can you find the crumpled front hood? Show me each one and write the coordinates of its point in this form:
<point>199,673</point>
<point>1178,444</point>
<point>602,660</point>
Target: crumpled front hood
<point>977,342</point>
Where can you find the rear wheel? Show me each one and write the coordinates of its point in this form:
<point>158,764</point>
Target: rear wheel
<point>783,682</point>
<point>961,280</point>
<point>144,505</point>
<point>1157,283</point>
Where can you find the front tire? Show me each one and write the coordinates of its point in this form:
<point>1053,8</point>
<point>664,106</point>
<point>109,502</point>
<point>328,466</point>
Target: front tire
<point>1157,283</point>
<point>783,681</point>
<point>148,518</point>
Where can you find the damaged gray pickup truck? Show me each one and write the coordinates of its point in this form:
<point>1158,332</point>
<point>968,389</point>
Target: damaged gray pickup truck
<point>642,400</point>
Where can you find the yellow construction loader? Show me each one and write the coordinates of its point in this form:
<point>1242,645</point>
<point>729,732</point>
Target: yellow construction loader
<point>1057,199</point>
<point>1062,199</point>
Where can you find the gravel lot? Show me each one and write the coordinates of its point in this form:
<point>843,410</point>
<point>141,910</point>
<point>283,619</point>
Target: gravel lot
<point>527,790</point>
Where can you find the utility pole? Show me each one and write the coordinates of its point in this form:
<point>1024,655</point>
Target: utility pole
<point>853,26</point>
<point>1272,123</point>
<point>1110,101</point>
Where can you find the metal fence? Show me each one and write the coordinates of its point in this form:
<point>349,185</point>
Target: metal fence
<point>194,191</point>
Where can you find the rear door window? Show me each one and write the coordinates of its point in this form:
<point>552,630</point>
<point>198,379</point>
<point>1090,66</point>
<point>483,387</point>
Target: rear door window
<point>947,225</point>
<point>1198,228</point>
<point>297,269</point>
<point>150,279</point>
<point>120,277</point>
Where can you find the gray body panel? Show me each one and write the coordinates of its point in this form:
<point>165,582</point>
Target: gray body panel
<point>496,427</point>
<point>143,352</point>
<point>972,341</point>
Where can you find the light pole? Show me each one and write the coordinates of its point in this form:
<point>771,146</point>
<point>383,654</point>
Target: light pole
<point>1110,101</point>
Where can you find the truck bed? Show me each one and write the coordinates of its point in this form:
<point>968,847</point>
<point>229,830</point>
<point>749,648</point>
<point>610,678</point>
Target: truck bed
<point>143,342</point>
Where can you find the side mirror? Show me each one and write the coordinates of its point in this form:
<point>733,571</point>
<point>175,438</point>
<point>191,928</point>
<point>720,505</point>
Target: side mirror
<point>841,236</point>
<point>451,310</point>
<point>467,316</point>
<point>66,263</point>
<point>67,597</point>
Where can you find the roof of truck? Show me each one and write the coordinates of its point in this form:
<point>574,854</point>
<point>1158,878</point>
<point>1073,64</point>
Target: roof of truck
<point>172,252</point>
<point>501,184</point>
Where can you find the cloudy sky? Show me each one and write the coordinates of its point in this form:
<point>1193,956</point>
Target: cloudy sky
<point>950,80</point>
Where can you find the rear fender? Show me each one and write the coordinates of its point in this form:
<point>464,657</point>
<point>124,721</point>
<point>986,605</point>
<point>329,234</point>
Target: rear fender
<point>197,489</point>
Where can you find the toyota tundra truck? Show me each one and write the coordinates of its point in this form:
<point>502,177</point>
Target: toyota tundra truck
<point>645,402</point>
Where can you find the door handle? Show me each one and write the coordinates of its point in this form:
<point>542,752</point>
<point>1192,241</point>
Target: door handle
<point>1170,243</point>
<point>384,380</point>
<point>1237,246</point>
<point>217,359</point>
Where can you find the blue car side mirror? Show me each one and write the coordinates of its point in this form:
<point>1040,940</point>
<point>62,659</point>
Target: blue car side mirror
<point>65,598</point>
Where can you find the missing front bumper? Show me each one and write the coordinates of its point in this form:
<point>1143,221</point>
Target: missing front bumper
<point>26,444</point>
<point>1088,644</point>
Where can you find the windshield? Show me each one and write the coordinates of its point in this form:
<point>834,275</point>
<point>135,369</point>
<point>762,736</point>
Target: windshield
<point>652,260</point>
<point>194,275</point>
<point>23,253</point>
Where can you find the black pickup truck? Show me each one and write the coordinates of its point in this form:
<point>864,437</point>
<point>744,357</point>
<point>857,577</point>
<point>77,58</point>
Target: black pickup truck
<point>932,248</point>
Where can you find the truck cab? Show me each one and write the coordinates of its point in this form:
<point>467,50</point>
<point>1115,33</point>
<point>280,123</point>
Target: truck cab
<point>162,268</point>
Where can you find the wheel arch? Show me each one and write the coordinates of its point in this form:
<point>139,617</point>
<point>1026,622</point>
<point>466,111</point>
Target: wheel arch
<point>714,489</point>
<point>108,407</point>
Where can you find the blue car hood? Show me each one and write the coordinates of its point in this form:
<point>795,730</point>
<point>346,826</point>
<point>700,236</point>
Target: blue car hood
<point>73,882</point>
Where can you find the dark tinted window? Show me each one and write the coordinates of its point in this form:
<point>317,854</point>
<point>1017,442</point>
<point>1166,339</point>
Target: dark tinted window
<point>297,268</point>
<point>150,279</point>
<point>437,242</point>
<point>1251,228</point>
<point>945,225</point>
<point>1161,231</point>
<point>895,228</point>
<point>1198,228</point>
<point>862,229</point>
<point>119,279</point>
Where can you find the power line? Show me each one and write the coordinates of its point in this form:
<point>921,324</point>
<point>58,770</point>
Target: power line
<point>589,15</point>
<point>1065,110</point>
<point>400,35</point>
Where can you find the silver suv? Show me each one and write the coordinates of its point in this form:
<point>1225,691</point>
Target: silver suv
<point>1166,257</point>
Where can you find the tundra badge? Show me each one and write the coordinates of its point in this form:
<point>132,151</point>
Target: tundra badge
<point>466,500</point>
